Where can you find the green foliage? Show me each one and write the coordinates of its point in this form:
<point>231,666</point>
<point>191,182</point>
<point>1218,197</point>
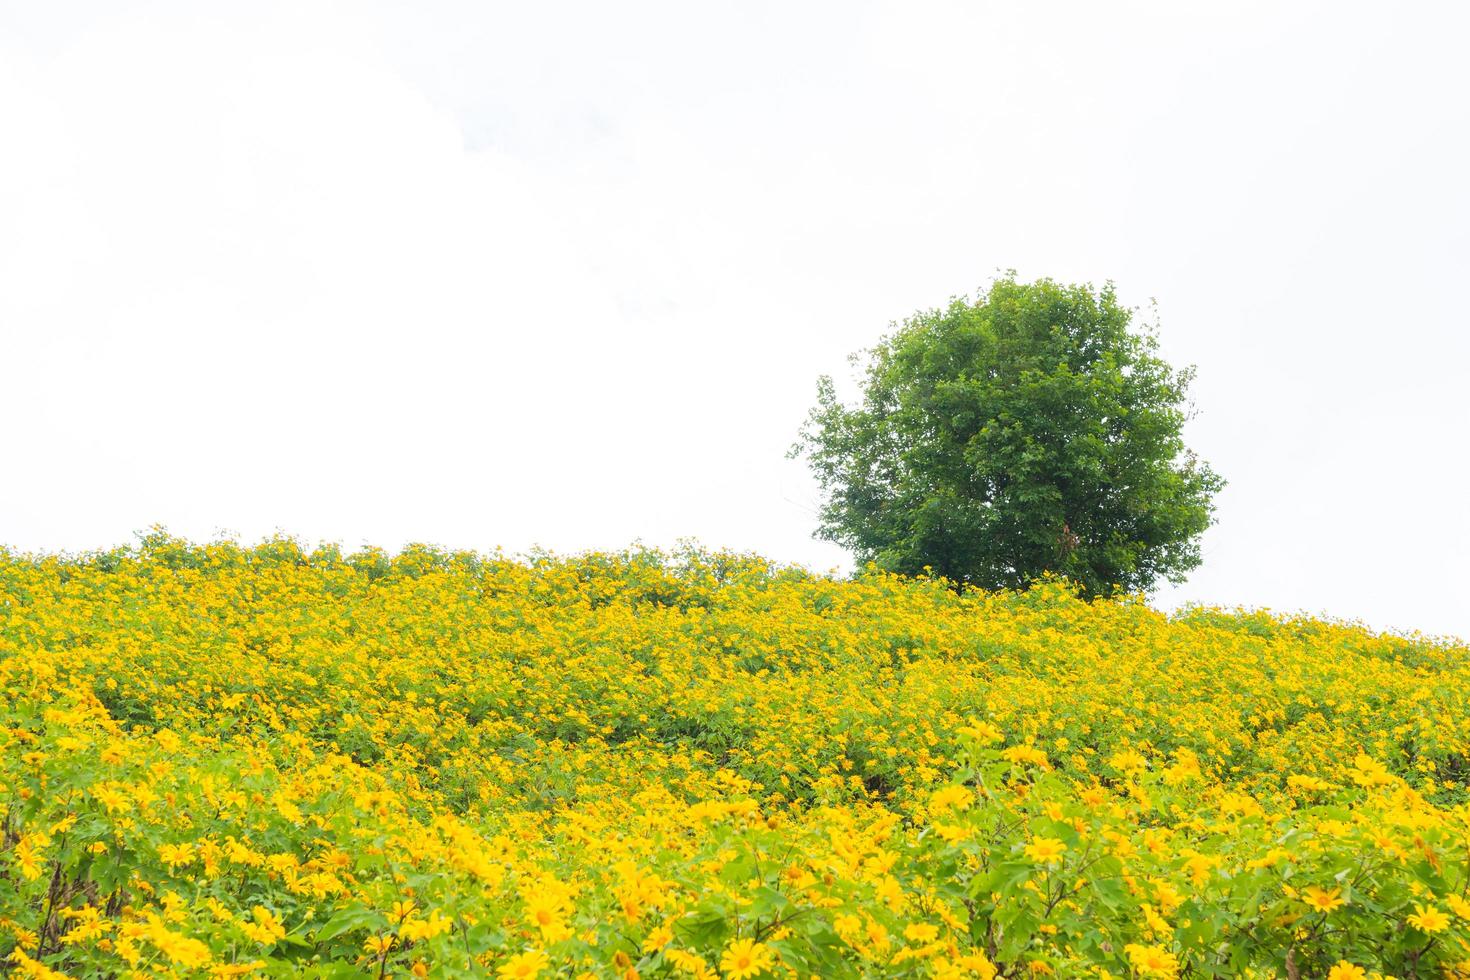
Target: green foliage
<point>1029,432</point>
<point>273,761</point>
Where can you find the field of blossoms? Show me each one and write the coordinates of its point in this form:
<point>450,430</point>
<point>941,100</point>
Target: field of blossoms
<point>219,760</point>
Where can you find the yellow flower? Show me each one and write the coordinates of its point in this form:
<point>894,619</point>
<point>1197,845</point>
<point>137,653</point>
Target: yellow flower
<point>1152,961</point>
<point>687,962</point>
<point>979,964</point>
<point>378,945</point>
<point>744,958</point>
<point>949,798</point>
<point>182,950</point>
<point>1322,901</point>
<point>524,966</point>
<point>27,967</point>
<point>1129,761</point>
<point>264,926</point>
<point>921,932</point>
<point>1029,754</point>
<point>547,913</point>
<point>658,938</point>
<point>876,934</point>
<point>87,924</point>
<point>111,797</point>
<point>981,731</point>
<point>1310,784</point>
<point>174,855</point>
<point>419,929</point>
<point>952,833</point>
<point>1045,850</point>
<point>890,893</point>
<point>561,745</point>
<point>1427,918</point>
<point>27,855</point>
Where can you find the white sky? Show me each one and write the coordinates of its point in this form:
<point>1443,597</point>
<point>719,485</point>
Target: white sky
<point>565,274</point>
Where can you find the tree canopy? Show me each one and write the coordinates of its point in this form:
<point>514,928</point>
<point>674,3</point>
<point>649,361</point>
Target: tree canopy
<point>1030,431</point>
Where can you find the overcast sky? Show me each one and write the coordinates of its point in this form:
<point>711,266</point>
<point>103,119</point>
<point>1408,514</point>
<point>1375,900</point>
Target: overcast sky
<point>565,275</point>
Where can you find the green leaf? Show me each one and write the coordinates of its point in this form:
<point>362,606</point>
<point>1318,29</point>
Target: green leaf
<point>349,920</point>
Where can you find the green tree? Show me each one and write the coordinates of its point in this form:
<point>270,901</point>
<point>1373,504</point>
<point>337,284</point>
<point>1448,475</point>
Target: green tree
<point>1028,432</point>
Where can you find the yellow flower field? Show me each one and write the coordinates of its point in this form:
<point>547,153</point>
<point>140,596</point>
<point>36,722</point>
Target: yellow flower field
<point>226,761</point>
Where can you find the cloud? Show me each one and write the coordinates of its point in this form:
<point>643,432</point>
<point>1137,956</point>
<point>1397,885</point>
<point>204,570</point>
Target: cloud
<point>260,277</point>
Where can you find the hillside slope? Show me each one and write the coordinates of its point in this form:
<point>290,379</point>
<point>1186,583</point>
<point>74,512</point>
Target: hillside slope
<point>229,760</point>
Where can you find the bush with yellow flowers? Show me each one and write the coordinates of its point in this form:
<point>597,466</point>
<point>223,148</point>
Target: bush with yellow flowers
<point>219,760</point>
